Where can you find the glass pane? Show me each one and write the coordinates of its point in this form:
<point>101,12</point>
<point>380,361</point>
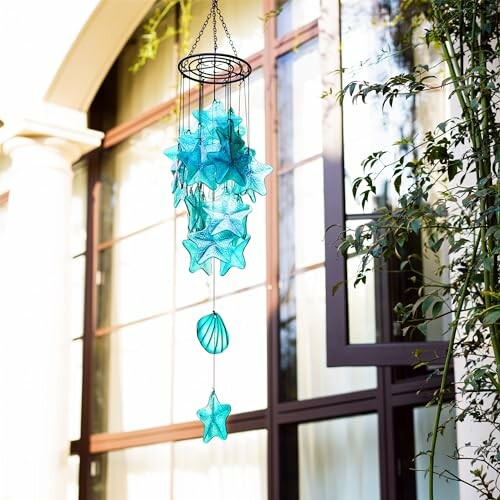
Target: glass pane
<point>224,470</point>
<point>79,209</point>
<point>299,105</point>
<point>367,39</point>
<point>72,488</point>
<point>361,305</point>
<point>134,474</point>
<point>243,19</point>
<point>135,278</point>
<point>135,182</point>
<point>303,351</point>
<point>423,421</point>
<point>302,227</point>
<point>241,370</point>
<point>339,459</point>
<point>154,83</point>
<point>185,470</point>
<point>77,296</point>
<point>133,377</point>
<point>295,13</point>
<point>75,385</point>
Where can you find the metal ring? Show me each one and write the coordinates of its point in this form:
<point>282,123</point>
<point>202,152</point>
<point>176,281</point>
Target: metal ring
<point>213,68</point>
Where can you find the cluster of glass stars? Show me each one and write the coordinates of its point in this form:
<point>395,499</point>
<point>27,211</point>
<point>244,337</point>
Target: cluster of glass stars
<point>214,173</point>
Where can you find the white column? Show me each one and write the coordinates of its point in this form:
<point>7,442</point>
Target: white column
<point>34,331</point>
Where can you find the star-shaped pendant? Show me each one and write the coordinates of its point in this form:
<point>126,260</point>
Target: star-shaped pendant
<point>237,258</point>
<point>228,213</point>
<point>254,175</point>
<point>195,254</point>
<point>209,117</point>
<point>213,417</point>
<point>213,245</point>
<point>195,204</point>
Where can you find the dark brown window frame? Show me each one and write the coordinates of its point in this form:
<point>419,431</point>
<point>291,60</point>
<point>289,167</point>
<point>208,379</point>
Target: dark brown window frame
<point>340,352</point>
<point>280,418</point>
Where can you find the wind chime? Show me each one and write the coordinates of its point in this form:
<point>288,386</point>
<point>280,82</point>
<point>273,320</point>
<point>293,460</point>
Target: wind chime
<point>216,176</point>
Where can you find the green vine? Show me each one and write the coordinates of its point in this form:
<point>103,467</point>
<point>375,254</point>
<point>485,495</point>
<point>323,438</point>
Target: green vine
<point>157,29</point>
<point>460,160</point>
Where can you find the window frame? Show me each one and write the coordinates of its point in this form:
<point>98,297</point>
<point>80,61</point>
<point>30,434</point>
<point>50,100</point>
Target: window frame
<point>340,352</point>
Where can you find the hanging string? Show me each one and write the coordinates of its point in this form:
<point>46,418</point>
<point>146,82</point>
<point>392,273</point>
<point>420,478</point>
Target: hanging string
<point>189,104</point>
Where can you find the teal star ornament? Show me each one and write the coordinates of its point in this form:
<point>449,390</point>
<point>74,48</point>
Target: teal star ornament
<point>228,213</point>
<point>213,417</point>
<point>237,259</point>
<point>255,174</point>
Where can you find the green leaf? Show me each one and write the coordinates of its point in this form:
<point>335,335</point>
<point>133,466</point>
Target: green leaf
<point>492,317</point>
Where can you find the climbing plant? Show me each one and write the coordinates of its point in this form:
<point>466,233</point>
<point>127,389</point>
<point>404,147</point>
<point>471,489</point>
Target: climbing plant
<point>447,194</point>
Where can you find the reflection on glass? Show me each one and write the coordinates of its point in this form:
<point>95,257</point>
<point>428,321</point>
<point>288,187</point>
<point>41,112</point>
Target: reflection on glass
<point>302,227</point>
<point>361,305</point>
<point>72,486</point>
<point>339,459</point>
<point>79,209</point>
<point>77,296</point>
<point>154,83</point>
<point>185,470</point>
<point>295,13</point>
<point>368,39</point>
<point>135,182</point>
<point>225,470</point>
<point>75,385</point>
<point>241,370</point>
<point>135,278</point>
<point>299,105</point>
<point>423,421</point>
<point>134,474</point>
<point>243,20</point>
<point>133,377</point>
<point>303,350</point>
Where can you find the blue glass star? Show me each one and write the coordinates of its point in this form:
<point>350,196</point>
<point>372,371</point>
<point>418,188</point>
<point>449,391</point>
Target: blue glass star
<point>209,117</point>
<point>212,245</point>
<point>213,417</point>
<point>254,175</point>
<point>221,121</point>
<point>195,204</point>
<point>195,255</point>
<point>228,213</point>
<point>237,258</point>
<point>231,164</point>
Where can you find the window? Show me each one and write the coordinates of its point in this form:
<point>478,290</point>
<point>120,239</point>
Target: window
<point>361,324</point>
<point>143,373</point>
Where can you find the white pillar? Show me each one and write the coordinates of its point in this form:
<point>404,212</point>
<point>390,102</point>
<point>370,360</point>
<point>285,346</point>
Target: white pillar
<point>34,339</point>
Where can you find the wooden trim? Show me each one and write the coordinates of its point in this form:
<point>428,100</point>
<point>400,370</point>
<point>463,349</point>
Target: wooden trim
<point>105,442</point>
<point>291,41</point>
<point>90,317</point>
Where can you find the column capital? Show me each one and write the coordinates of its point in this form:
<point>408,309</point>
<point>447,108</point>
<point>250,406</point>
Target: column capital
<point>70,142</point>
<point>70,151</point>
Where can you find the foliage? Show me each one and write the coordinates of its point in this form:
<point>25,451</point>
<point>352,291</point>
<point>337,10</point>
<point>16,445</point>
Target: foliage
<point>158,29</point>
<point>448,195</point>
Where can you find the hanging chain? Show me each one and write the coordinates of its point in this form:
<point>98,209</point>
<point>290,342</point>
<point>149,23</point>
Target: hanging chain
<point>214,13</point>
<point>225,28</point>
<point>214,23</point>
<point>205,24</point>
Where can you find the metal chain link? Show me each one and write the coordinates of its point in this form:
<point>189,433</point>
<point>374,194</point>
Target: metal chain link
<point>225,29</point>
<point>212,14</point>
<point>205,24</point>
